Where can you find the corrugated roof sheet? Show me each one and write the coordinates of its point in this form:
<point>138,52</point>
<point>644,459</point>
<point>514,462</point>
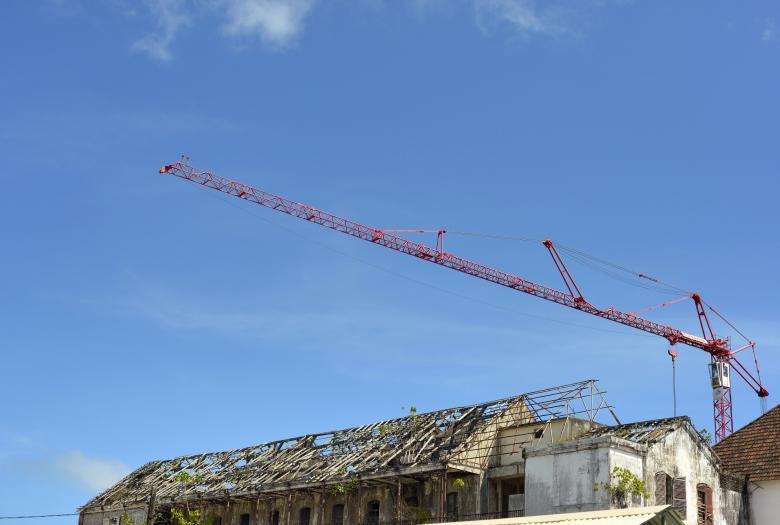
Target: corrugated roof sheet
<point>634,516</point>
<point>753,450</point>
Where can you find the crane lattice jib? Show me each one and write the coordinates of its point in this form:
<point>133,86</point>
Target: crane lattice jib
<point>718,348</point>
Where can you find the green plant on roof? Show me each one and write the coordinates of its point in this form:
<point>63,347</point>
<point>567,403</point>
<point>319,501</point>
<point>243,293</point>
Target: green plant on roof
<point>190,517</point>
<point>458,483</point>
<point>622,484</point>
<point>187,516</point>
<point>185,478</point>
<point>344,487</point>
<point>705,435</point>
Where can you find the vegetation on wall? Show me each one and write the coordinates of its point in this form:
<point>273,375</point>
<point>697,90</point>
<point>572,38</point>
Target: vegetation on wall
<point>622,485</point>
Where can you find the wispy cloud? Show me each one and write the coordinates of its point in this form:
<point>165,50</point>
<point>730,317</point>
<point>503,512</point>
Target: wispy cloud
<point>93,473</point>
<point>74,468</point>
<point>276,22</point>
<point>170,17</point>
<point>279,23</point>
<point>522,14</point>
<point>770,30</point>
<point>553,18</point>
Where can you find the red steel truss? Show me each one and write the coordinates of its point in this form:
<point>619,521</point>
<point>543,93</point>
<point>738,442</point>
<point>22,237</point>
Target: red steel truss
<point>719,349</point>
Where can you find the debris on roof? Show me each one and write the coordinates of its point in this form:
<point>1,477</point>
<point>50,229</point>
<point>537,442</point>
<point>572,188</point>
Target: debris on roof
<point>643,431</point>
<point>453,438</point>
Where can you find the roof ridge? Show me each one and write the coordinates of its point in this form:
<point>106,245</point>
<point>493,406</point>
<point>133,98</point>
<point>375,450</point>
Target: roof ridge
<point>649,421</point>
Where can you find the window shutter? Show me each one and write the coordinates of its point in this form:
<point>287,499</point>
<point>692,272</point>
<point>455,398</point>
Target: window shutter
<point>704,505</point>
<point>678,496</point>
<point>661,498</point>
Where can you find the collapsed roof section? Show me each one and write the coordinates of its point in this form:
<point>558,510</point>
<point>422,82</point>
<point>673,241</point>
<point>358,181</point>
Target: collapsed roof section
<point>458,438</point>
<point>642,432</point>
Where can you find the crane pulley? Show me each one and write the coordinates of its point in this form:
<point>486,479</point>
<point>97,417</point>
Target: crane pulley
<point>718,348</point>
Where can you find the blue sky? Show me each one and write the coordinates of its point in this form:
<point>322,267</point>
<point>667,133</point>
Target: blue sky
<point>144,318</point>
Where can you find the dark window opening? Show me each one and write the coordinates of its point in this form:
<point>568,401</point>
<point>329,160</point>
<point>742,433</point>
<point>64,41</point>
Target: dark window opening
<point>412,501</point>
<point>337,515</point>
<point>452,505</point>
<point>512,500</point>
<point>304,516</point>
<point>244,519</point>
<point>217,520</point>
<point>703,505</point>
<point>274,518</point>
<point>373,513</point>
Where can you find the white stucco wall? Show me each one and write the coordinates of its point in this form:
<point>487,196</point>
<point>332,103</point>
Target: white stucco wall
<point>562,477</point>
<point>765,502</point>
<point>682,454</point>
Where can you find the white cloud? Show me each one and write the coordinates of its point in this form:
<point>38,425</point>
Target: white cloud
<point>551,18</point>
<point>770,31</point>
<point>520,13</point>
<point>73,468</point>
<point>276,22</point>
<point>93,473</point>
<point>170,17</point>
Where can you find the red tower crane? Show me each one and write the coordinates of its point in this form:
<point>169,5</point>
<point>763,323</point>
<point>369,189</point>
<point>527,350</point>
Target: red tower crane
<point>723,358</point>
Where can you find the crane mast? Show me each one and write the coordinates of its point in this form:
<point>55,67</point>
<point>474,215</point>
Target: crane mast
<point>722,356</point>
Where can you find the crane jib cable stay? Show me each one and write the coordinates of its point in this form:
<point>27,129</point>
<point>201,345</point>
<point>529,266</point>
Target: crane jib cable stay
<point>723,358</point>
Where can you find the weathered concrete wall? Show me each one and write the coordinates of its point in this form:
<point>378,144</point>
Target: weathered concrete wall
<point>138,515</point>
<point>765,502</point>
<point>427,492</point>
<point>561,478</point>
<point>513,441</point>
<point>682,454</point>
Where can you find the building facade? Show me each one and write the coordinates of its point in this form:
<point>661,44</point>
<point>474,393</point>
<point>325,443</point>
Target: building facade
<point>537,453</point>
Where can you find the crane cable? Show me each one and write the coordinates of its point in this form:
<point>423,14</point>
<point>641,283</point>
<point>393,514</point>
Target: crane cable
<point>406,277</point>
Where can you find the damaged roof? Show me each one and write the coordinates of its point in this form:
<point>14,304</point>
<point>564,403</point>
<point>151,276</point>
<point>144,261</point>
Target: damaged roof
<point>450,438</point>
<point>641,432</point>
<point>753,450</point>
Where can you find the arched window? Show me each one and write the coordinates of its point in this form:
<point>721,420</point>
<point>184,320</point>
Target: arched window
<point>704,505</point>
<point>304,516</point>
<point>337,514</point>
<point>274,518</point>
<point>244,519</point>
<point>373,513</point>
<point>663,488</point>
